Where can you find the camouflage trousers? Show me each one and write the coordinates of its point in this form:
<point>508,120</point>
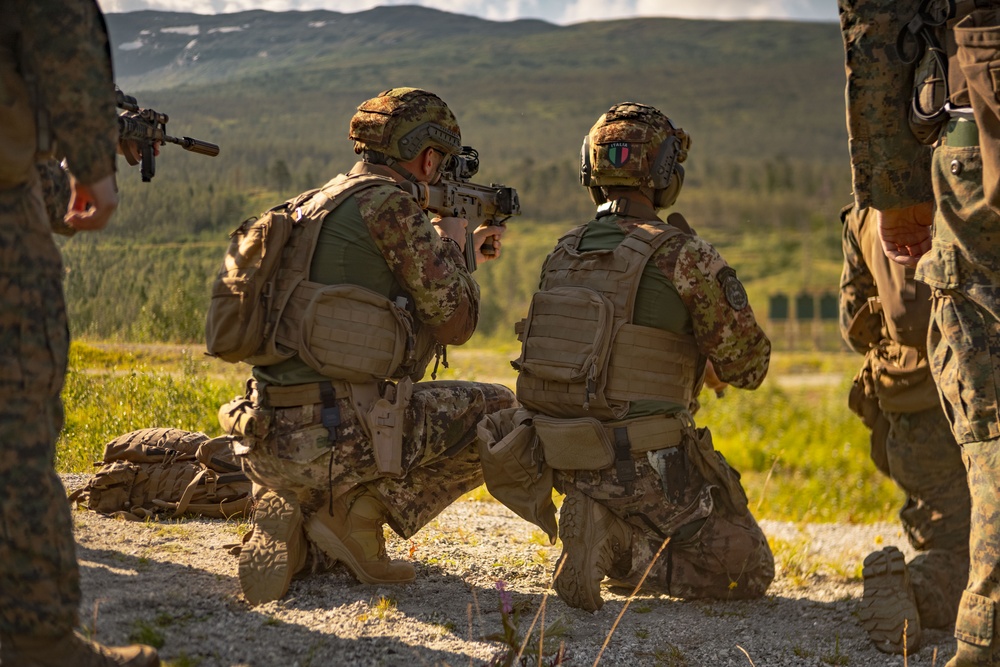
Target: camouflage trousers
<point>964,352</point>
<point>921,456</point>
<point>440,457</point>
<point>39,578</point>
<point>716,549</point>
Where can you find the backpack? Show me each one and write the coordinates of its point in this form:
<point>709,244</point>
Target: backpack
<point>268,257</point>
<point>159,470</point>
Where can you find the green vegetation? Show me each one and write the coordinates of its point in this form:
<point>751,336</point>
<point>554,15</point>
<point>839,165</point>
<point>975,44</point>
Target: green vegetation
<point>802,454</point>
<point>765,180</point>
<point>762,100</point>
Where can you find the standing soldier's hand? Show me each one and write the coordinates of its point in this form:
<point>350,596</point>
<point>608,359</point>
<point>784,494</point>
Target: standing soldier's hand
<point>91,206</point>
<point>906,232</point>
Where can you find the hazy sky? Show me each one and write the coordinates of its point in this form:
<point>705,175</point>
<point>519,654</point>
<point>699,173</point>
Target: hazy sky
<point>554,11</point>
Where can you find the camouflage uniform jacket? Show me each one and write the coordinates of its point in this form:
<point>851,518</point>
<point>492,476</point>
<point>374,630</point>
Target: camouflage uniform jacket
<point>891,169</point>
<point>74,73</point>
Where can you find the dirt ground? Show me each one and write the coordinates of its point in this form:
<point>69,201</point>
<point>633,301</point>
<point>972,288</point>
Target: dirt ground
<point>173,583</point>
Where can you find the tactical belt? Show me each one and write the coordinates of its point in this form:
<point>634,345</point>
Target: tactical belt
<point>647,434</point>
<point>303,394</point>
<point>961,133</point>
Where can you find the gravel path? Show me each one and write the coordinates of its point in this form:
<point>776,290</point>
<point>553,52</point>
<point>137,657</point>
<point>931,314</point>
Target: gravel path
<point>174,582</point>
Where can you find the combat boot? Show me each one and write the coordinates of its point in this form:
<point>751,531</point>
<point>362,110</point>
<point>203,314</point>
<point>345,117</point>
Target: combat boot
<point>72,649</point>
<point>594,541</point>
<point>888,607</point>
<point>353,535</point>
<point>276,550</point>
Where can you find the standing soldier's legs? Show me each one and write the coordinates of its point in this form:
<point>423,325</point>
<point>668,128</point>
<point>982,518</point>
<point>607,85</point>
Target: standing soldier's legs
<point>963,344</point>
<point>926,463</point>
<point>39,576</point>
<point>900,599</point>
<point>39,580</point>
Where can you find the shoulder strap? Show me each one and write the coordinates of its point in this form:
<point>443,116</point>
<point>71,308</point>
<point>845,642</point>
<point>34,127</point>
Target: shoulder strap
<point>638,248</point>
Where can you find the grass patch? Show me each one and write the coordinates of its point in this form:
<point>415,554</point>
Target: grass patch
<point>147,633</point>
<point>802,454</point>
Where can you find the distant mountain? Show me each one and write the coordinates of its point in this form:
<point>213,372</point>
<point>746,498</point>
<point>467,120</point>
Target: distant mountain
<point>745,88</point>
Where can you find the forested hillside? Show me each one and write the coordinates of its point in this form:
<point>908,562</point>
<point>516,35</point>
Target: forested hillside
<point>763,102</point>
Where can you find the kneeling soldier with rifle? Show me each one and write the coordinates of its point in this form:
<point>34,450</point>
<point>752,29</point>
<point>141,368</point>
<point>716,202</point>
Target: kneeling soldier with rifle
<point>337,432</point>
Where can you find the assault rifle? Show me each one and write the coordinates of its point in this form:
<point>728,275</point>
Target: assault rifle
<point>455,195</point>
<point>139,130</point>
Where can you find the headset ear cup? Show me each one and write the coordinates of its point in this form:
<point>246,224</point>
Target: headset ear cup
<point>665,197</point>
<point>586,169</point>
<point>597,195</point>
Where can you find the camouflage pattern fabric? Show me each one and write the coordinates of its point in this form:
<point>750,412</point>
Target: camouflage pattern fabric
<point>39,578</point>
<point>68,46</point>
<point>964,338</point>
<point>724,324</point>
<point>891,169</point>
<point>716,550</point>
<point>440,456</point>
<point>964,351</point>
<point>925,462</point>
<point>917,450</point>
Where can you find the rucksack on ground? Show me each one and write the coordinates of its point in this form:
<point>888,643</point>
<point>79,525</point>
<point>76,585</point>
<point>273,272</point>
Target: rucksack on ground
<point>168,471</point>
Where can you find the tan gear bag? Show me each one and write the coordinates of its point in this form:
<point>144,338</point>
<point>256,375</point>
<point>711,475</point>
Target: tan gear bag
<point>268,257</point>
<point>167,471</point>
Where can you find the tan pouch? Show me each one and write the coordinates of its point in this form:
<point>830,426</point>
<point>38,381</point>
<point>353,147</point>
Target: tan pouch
<point>575,444</point>
<point>354,334</point>
<point>567,335</point>
<point>514,469</point>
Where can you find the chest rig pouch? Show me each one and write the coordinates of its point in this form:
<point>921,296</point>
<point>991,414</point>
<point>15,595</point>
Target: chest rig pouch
<point>581,354</point>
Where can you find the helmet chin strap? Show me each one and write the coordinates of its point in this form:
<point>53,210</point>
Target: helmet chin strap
<point>377,157</point>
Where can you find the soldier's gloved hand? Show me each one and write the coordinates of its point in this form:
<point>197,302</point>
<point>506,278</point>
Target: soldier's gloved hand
<point>490,235</point>
<point>906,232</point>
<point>452,228</point>
<point>91,206</point>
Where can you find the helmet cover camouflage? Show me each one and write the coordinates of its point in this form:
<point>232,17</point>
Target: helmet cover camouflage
<point>627,147</point>
<point>401,122</point>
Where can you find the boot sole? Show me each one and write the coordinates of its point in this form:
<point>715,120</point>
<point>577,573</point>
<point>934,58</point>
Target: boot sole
<point>887,606</point>
<point>571,584</point>
<point>332,545</point>
<point>264,571</point>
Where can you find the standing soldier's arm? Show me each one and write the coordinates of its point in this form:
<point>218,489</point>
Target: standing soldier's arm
<point>857,283</point>
<point>69,48</point>
<point>891,169</point>
<point>432,271</point>
<point>724,324</point>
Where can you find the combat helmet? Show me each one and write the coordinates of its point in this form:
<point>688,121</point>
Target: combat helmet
<point>401,122</point>
<point>634,145</point>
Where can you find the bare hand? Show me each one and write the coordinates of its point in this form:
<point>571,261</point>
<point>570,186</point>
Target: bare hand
<point>906,232</point>
<point>488,234</point>
<point>91,206</point>
<point>713,381</point>
<point>452,228</point>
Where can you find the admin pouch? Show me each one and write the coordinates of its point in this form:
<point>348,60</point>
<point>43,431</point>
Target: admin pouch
<point>263,282</point>
<point>581,355</point>
<point>514,467</point>
<point>167,471</point>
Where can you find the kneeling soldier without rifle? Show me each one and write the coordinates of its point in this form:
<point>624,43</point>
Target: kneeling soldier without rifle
<point>336,432</point>
<point>631,315</point>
